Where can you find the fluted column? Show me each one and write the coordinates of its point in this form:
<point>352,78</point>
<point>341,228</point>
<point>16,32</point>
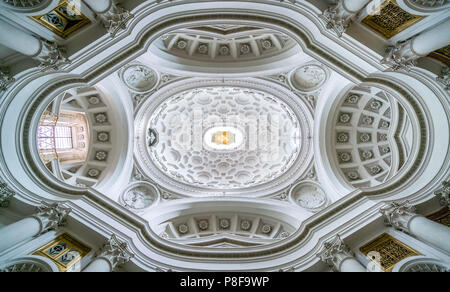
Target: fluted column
<point>340,257</point>
<point>110,256</point>
<point>404,54</point>
<point>5,195</point>
<point>48,216</point>
<point>339,16</point>
<point>47,53</point>
<point>402,216</point>
<point>113,17</point>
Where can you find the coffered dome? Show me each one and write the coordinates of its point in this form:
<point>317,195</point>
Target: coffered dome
<point>267,138</point>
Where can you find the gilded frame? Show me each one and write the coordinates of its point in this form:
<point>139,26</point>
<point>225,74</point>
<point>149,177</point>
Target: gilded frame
<point>368,20</point>
<point>72,245</point>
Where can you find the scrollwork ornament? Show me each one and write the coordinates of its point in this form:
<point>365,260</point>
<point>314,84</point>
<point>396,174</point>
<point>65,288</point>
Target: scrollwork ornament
<point>401,56</point>
<point>398,215</point>
<point>115,19</point>
<point>5,195</point>
<point>115,252</point>
<point>444,194</point>
<point>334,252</point>
<point>338,18</point>
<point>5,78</point>
<point>51,56</point>
<point>444,78</point>
<point>51,216</point>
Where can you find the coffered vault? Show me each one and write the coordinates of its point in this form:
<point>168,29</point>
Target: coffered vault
<point>226,138</point>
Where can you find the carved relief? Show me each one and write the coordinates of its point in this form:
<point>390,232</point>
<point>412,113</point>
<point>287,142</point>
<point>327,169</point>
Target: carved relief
<point>309,195</point>
<point>139,78</point>
<point>308,77</point>
<point>140,196</point>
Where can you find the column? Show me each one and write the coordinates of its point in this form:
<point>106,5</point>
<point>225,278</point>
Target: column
<point>339,16</point>
<point>402,216</point>
<point>340,257</point>
<point>48,216</point>
<point>99,6</point>
<point>47,53</point>
<point>113,17</point>
<point>5,192</point>
<point>111,255</point>
<point>404,54</point>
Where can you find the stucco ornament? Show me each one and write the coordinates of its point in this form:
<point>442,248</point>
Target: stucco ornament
<point>309,196</point>
<point>308,77</point>
<point>140,196</point>
<point>139,78</point>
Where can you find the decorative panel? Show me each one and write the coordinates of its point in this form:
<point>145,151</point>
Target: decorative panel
<point>63,20</point>
<point>390,249</point>
<point>391,19</point>
<point>65,252</point>
<point>442,216</point>
<point>442,55</point>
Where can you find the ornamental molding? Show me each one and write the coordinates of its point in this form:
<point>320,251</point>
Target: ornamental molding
<point>338,18</point>
<point>401,56</point>
<point>6,78</point>
<point>115,19</point>
<point>427,6</point>
<point>115,252</point>
<point>51,56</point>
<point>334,252</point>
<point>399,214</point>
<point>444,77</point>
<point>443,194</point>
<point>5,194</point>
<point>51,216</point>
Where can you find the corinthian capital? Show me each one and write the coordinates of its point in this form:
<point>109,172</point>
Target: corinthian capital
<point>398,215</point>
<point>115,18</point>
<point>5,78</point>
<point>401,56</point>
<point>334,252</point>
<point>444,77</point>
<point>338,18</point>
<point>444,194</point>
<point>5,195</point>
<point>115,252</point>
<point>51,56</point>
<point>51,216</point>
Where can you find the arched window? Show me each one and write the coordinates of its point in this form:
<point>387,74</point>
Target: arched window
<point>63,137</point>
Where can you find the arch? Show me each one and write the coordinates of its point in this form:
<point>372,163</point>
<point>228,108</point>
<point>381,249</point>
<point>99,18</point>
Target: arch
<point>30,263</point>
<point>421,264</point>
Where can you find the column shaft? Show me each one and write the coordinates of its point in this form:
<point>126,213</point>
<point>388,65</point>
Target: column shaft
<point>432,40</point>
<point>18,40</point>
<point>431,232</point>
<point>350,264</point>
<point>355,5</point>
<point>18,232</point>
<point>99,6</point>
<point>98,265</point>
